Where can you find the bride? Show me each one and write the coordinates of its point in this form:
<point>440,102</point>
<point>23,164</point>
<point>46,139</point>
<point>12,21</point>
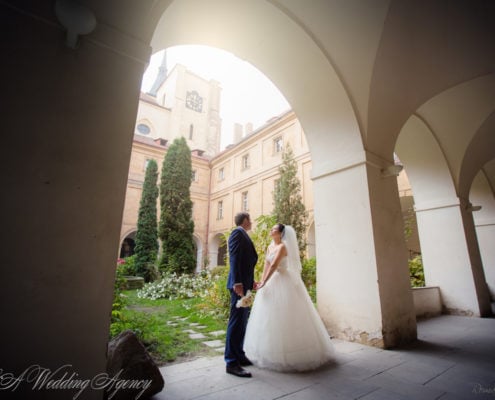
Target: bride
<point>284,331</point>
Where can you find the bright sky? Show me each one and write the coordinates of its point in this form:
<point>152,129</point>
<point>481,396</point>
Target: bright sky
<point>247,95</point>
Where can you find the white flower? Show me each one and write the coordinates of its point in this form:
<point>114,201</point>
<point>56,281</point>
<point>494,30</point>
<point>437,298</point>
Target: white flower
<point>246,301</point>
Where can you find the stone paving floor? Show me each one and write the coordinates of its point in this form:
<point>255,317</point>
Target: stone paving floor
<point>213,339</point>
<point>454,358</point>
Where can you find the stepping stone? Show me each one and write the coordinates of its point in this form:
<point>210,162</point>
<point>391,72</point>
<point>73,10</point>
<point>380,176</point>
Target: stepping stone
<point>217,333</point>
<point>220,349</point>
<point>197,336</point>
<point>189,331</point>
<point>200,326</point>
<point>213,343</point>
<point>194,324</point>
<point>172,323</point>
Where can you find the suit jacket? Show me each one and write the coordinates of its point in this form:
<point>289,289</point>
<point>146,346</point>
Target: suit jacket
<point>242,259</point>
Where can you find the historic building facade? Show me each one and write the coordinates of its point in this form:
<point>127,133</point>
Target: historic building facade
<point>240,178</point>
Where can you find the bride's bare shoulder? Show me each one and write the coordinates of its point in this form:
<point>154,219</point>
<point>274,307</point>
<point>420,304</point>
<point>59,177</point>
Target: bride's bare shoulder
<point>283,248</point>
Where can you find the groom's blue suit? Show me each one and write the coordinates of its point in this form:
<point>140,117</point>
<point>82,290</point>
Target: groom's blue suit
<point>242,259</point>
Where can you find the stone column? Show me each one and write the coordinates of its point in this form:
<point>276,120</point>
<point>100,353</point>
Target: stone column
<point>364,291</point>
<point>451,256</point>
<point>481,194</point>
<point>68,119</point>
<point>485,230</point>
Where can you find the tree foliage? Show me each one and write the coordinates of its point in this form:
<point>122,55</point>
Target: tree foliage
<point>176,225</point>
<point>289,208</point>
<point>146,249</point>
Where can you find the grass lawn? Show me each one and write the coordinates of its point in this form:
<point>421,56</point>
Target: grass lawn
<point>161,325</point>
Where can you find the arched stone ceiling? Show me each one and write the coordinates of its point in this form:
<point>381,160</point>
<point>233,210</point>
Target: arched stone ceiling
<point>353,71</point>
<point>267,37</point>
<point>480,153</point>
<point>426,48</point>
<point>449,139</point>
<point>455,117</point>
<point>428,172</point>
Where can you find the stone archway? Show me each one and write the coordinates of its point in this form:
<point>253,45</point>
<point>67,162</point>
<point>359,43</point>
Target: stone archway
<point>127,245</point>
<point>340,162</point>
<point>446,227</point>
<point>71,162</point>
<point>217,251</point>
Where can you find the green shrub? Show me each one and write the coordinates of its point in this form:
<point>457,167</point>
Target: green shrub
<point>416,272</point>
<point>119,301</point>
<point>217,300</point>
<point>308,275</point>
<point>127,266</point>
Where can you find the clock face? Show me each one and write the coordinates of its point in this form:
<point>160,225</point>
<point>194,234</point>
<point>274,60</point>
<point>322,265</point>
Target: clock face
<point>194,101</point>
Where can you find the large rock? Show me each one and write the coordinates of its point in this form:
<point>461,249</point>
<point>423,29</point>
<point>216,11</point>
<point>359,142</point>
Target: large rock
<point>134,371</point>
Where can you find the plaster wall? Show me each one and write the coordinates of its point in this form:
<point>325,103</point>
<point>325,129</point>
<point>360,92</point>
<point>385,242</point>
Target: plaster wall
<point>427,301</point>
<point>446,258</point>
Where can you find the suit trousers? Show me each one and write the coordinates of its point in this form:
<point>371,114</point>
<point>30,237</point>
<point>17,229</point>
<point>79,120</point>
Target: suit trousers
<point>236,330</point>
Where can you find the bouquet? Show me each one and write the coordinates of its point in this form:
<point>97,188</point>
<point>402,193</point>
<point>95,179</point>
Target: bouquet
<point>246,301</point>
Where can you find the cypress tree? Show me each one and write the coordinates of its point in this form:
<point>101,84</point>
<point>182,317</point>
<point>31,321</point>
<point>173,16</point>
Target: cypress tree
<point>176,225</point>
<point>146,249</point>
<point>289,208</point>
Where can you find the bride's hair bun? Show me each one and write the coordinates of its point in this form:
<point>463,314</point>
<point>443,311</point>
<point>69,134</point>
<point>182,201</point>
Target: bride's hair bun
<point>281,228</point>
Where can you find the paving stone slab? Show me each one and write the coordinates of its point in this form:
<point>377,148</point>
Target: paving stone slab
<point>217,333</point>
<point>213,343</point>
<point>197,336</point>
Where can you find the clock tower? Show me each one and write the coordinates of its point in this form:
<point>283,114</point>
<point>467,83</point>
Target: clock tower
<point>182,104</point>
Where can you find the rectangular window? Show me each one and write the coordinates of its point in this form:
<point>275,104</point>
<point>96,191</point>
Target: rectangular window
<point>245,203</point>
<point>194,175</point>
<point>245,161</point>
<point>220,210</point>
<point>146,162</point>
<point>278,145</point>
<point>221,174</point>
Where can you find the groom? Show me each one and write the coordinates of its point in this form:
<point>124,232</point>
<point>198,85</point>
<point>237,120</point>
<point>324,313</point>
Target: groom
<point>242,258</point>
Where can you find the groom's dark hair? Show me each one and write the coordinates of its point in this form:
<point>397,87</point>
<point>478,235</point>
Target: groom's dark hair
<point>240,217</point>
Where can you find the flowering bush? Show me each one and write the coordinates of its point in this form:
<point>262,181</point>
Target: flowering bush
<point>126,266</point>
<point>173,286</point>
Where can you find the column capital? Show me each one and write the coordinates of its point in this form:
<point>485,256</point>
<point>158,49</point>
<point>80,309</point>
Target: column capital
<point>349,161</point>
<point>437,204</point>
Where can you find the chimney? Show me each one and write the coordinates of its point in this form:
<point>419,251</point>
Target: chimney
<point>237,133</point>
<point>197,152</point>
<point>249,128</point>
<point>161,141</point>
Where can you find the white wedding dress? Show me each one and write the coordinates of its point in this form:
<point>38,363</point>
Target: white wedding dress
<point>284,331</point>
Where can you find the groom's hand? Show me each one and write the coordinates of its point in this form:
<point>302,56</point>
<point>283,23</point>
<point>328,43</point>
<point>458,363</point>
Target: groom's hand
<point>239,289</point>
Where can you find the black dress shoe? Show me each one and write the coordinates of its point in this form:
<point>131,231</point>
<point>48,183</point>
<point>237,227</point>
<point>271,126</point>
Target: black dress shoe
<point>246,362</point>
<point>237,370</point>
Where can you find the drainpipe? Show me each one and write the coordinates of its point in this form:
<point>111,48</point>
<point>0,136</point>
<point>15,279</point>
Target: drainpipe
<point>208,216</point>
